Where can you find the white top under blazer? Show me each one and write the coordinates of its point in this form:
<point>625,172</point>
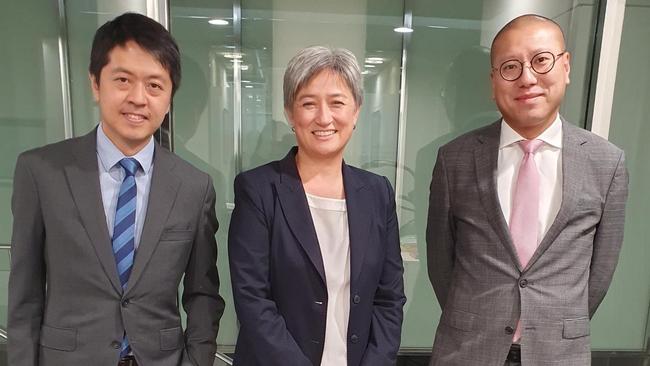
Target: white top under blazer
<point>330,218</point>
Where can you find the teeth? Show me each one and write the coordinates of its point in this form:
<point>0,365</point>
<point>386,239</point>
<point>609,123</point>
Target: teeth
<point>134,117</point>
<point>324,133</point>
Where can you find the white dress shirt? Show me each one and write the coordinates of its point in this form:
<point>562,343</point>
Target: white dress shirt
<point>548,160</point>
<point>330,218</point>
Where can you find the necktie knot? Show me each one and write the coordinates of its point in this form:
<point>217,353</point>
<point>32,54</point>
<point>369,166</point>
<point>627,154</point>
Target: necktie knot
<point>530,146</point>
<point>130,166</point>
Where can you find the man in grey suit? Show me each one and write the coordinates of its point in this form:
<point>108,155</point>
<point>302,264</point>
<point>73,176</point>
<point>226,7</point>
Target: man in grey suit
<point>107,224</point>
<point>525,217</point>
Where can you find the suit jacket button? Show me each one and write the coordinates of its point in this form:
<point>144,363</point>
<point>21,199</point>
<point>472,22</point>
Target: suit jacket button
<point>126,302</point>
<point>354,338</point>
<point>509,330</point>
<point>116,344</point>
<point>523,283</point>
<point>356,299</point>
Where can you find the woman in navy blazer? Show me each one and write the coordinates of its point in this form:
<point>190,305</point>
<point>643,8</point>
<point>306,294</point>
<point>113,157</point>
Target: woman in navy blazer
<point>306,292</point>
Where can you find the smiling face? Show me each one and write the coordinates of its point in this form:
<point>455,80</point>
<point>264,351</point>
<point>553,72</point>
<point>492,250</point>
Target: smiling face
<point>323,116</point>
<point>133,93</point>
<point>531,103</point>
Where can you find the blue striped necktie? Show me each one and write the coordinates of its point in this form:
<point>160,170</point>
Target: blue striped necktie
<point>124,230</point>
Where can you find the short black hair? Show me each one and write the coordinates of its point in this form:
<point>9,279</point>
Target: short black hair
<point>523,19</point>
<point>147,33</point>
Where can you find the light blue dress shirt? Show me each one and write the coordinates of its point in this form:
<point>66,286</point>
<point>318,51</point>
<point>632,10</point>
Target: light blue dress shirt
<point>111,175</point>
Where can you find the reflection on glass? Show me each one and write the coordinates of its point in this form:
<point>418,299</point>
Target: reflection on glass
<point>203,128</point>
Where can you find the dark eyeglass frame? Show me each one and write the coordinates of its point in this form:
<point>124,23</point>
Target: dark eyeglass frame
<point>521,70</point>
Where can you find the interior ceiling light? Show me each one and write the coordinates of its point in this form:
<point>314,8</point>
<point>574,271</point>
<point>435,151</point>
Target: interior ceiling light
<point>403,30</point>
<point>218,21</point>
<point>374,60</point>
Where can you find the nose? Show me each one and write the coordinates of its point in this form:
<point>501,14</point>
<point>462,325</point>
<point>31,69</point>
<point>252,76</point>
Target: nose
<point>528,76</point>
<point>324,115</point>
<point>137,94</point>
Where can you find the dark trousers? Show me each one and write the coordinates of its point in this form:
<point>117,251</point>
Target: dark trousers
<point>127,361</point>
<point>514,356</point>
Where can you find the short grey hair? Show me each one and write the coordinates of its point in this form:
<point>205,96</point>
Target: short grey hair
<point>311,60</point>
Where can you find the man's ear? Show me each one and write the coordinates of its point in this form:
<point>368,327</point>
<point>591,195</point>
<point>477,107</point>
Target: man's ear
<point>566,62</point>
<point>492,81</point>
<point>94,86</point>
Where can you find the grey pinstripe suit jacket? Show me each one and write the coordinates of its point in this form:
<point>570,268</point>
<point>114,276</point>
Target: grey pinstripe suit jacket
<point>474,269</point>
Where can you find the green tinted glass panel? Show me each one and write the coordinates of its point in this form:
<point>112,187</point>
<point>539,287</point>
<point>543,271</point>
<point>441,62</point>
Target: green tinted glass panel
<point>31,112</point>
<point>620,323</point>
<point>204,115</point>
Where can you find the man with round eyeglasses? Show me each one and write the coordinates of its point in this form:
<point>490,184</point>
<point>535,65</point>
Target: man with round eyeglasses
<point>525,217</point>
<point>541,63</point>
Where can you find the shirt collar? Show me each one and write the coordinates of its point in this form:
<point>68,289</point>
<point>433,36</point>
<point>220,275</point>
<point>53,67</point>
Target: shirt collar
<point>110,155</point>
<point>552,136</point>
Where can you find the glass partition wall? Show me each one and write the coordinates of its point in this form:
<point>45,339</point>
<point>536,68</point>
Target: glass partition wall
<point>31,103</point>
<point>201,105</point>
<point>422,89</point>
<point>623,320</point>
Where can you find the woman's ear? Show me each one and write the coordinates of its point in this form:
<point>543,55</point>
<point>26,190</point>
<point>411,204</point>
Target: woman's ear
<point>288,116</point>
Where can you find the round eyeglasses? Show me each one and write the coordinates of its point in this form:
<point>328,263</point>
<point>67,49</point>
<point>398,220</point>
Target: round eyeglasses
<point>541,63</point>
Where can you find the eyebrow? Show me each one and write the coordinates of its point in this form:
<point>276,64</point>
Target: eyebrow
<point>534,52</point>
<point>120,69</point>
<point>335,95</point>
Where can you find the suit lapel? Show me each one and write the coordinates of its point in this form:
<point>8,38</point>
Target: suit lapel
<point>162,194</point>
<point>486,157</point>
<point>296,211</point>
<point>359,219</point>
<point>83,179</point>
<point>573,173</point>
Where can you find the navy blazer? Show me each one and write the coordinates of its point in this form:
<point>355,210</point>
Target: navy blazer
<point>278,277</point>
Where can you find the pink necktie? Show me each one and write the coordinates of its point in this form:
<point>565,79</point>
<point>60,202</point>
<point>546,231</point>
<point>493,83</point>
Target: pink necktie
<point>525,207</point>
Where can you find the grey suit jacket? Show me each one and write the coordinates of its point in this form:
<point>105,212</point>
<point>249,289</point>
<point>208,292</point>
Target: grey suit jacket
<point>66,305</point>
<point>473,265</point>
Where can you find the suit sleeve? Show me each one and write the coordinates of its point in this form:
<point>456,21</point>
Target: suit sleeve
<point>608,238</point>
<point>389,300</point>
<point>201,299</point>
<point>440,232</point>
<point>27,276</point>
<point>248,251</point>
